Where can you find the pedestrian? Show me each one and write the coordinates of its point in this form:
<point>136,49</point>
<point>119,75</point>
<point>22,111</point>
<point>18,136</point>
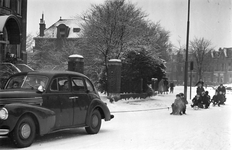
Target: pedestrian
<point>166,86</point>
<point>172,85</point>
<point>161,86</point>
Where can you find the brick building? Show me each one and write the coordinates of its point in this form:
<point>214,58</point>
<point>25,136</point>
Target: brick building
<point>217,69</point>
<point>13,20</point>
<point>62,35</point>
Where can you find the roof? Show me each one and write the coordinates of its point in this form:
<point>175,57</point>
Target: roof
<point>53,73</point>
<point>51,32</point>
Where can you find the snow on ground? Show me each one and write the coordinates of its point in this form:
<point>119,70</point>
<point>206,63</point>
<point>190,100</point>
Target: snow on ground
<point>160,101</point>
<point>146,124</point>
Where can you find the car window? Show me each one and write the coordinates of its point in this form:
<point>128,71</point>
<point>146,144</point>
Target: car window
<point>89,85</point>
<point>78,85</point>
<point>27,82</point>
<point>63,84</point>
<point>54,85</point>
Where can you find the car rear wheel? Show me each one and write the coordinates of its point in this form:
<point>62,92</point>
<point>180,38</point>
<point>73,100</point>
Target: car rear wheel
<point>24,132</point>
<point>95,123</point>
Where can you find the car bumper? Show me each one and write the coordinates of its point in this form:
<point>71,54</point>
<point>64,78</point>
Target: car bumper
<point>4,131</point>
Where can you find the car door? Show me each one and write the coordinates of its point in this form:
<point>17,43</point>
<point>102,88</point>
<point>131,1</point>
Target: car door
<point>80,99</point>
<point>59,101</point>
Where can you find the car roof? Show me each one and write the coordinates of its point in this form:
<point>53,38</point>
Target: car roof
<point>10,64</point>
<point>51,73</point>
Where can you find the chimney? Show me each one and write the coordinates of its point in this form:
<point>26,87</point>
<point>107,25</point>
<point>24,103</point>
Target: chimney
<point>42,26</point>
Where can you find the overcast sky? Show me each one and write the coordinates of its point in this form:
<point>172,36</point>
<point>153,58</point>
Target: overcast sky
<point>211,19</point>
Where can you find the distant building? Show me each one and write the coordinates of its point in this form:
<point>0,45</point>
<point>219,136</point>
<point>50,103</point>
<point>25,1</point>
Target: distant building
<point>13,20</point>
<point>63,34</point>
<point>217,70</point>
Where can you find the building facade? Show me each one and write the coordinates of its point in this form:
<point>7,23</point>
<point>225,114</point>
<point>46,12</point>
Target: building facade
<point>63,35</point>
<point>217,68</point>
<point>13,21</point>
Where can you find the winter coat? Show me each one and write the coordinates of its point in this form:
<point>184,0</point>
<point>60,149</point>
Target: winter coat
<point>171,85</point>
<point>221,89</point>
<point>200,90</point>
<point>178,107</point>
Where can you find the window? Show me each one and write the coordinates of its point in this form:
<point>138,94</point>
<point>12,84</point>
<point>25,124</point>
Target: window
<point>76,29</point>
<point>18,51</point>
<point>62,32</point>
<point>89,86</point>
<point>60,84</point>
<point>19,6</point>
<point>78,85</point>
<point>1,3</point>
<point>63,84</point>
<point>54,85</point>
<point>6,3</point>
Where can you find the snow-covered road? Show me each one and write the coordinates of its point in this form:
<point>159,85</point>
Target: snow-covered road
<point>154,129</point>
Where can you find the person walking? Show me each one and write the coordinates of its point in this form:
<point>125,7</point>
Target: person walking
<point>172,85</point>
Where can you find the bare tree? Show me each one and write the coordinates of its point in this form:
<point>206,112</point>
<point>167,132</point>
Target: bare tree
<point>199,48</point>
<point>29,43</point>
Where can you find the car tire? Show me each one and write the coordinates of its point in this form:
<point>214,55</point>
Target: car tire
<point>24,132</point>
<point>95,123</point>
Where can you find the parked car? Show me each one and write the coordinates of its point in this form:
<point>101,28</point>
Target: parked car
<point>8,69</point>
<point>43,102</point>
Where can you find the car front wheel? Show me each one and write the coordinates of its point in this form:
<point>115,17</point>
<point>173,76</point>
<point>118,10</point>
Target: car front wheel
<point>95,123</point>
<point>24,132</point>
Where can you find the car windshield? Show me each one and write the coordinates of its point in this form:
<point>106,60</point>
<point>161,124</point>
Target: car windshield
<point>7,69</point>
<point>27,82</point>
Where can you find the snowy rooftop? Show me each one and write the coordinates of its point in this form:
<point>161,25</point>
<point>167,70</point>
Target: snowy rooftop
<point>51,32</point>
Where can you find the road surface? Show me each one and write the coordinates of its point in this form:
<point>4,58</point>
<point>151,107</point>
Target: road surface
<point>205,129</point>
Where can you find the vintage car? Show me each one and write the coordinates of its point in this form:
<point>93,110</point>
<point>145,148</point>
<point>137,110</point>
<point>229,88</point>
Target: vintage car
<point>34,103</point>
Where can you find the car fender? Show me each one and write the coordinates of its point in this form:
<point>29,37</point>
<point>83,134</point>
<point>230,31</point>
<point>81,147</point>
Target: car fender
<point>45,117</point>
<point>104,110</point>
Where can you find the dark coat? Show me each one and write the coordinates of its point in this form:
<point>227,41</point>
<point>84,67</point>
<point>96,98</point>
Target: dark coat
<point>200,90</point>
<point>221,89</point>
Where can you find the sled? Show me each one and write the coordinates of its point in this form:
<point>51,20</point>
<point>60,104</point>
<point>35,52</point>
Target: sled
<point>195,107</point>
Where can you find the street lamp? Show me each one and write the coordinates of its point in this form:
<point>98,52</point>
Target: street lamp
<point>186,53</point>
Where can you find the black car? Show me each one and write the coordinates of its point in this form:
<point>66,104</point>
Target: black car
<point>43,102</point>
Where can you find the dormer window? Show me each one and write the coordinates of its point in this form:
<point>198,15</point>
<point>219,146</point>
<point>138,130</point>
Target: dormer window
<point>76,29</point>
<point>62,31</point>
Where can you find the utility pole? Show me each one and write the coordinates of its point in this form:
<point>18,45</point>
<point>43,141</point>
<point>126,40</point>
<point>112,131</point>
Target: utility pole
<point>186,53</point>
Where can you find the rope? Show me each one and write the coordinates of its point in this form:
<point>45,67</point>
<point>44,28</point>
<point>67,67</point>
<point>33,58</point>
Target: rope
<point>127,111</point>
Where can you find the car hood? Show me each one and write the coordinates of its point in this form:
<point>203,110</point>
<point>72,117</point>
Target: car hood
<point>29,97</point>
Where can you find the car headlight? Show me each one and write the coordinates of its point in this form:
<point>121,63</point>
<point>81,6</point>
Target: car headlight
<point>3,113</point>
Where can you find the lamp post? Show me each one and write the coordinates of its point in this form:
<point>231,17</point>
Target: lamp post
<point>186,54</point>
